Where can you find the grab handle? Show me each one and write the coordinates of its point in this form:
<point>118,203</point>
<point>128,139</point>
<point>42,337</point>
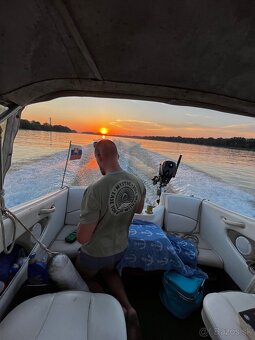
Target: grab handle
<point>47,211</point>
<point>233,223</point>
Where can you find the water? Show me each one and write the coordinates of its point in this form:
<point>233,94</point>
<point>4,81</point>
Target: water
<point>224,176</point>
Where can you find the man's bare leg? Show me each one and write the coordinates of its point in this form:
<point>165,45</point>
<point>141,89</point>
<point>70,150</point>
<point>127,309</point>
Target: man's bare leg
<point>115,284</point>
<point>89,276</point>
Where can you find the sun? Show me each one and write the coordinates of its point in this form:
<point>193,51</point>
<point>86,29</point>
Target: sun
<point>103,131</point>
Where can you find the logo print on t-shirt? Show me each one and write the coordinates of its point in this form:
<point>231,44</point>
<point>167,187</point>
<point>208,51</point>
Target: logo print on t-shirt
<point>123,197</point>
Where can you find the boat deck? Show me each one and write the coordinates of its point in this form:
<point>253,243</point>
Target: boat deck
<point>156,322</point>
<point>143,291</point>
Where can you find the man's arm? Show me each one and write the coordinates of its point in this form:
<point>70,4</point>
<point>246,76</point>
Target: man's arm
<point>89,213</point>
<point>85,232</point>
<point>139,207</point>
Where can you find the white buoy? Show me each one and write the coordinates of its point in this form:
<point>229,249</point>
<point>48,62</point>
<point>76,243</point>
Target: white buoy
<point>62,271</point>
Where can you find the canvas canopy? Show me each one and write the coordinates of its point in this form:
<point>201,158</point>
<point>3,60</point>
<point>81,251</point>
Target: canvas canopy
<point>198,53</point>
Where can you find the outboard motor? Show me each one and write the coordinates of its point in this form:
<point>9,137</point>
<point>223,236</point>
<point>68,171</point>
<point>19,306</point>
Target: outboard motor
<point>167,170</point>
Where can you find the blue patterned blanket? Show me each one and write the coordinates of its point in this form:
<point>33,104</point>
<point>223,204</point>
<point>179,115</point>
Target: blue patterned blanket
<point>150,248</point>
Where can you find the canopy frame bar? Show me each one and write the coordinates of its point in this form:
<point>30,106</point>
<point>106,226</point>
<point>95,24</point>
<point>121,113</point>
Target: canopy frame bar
<point>12,110</point>
<point>73,30</point>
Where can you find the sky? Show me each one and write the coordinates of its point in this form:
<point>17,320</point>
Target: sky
<point>139,118</point>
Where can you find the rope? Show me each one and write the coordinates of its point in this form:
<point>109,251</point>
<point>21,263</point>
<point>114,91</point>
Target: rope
<point>15,219</point>
<point>190,235</point>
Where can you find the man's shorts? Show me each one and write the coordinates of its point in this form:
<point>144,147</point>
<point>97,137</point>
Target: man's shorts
<point>92,263</point>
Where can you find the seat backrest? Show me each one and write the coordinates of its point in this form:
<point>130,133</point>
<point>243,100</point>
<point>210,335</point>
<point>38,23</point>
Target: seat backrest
<point>181,213</point>
<point>73,207</point>
<point>156,217</point>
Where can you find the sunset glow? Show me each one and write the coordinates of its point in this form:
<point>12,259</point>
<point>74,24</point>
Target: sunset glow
<point>138,118</point>
<point>103,131</point>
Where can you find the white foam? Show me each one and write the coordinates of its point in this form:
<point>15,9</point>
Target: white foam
<point>34,179</point>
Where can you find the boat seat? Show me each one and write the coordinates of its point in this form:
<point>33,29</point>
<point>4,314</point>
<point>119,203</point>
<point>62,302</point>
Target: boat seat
<point>71,249</point>
<point>220,314</point>
<point>180,217</point>
<point>157,216</point>
<point>66,315</point>
<point>207,256</point>
<point>61,246</point>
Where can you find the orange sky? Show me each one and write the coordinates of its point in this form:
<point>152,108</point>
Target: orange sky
<point>131,117</point>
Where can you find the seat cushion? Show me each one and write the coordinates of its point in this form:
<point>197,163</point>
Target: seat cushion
<point>181,213</point>
<point>156,217</point>
<point>66,315</point>
<point>207,256</point>
<point>220,314</point>
<point>61,246</point>
<point>181,217</point>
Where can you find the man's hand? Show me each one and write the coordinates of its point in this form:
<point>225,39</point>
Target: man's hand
<point>85,232</point>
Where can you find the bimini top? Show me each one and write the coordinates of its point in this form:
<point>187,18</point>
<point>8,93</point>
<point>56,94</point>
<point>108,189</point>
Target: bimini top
<point>198,53</point>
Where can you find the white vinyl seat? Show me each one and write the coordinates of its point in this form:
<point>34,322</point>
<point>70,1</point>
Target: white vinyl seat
<point>181,217</point>
<point>61,246</point>
<point>71,249</point>
<point>220,314</point>
<point>157,217</point>
<point>207,256</point>
<point>72,219</point>
<point>66,315</point>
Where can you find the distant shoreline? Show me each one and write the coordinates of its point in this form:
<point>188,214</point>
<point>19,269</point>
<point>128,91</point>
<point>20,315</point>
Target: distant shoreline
<point>37,126</point>
<point>238,143</point>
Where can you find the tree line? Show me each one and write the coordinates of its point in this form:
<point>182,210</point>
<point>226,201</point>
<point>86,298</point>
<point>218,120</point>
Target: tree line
<point>34,125</point>
<point>234,142</point>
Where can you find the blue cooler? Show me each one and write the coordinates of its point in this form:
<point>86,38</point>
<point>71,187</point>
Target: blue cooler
<point>181,295</point>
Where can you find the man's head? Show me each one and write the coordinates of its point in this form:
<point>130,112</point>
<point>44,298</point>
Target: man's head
<point>107,156</point>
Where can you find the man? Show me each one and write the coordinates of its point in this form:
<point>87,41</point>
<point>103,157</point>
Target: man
<point>107,209</point>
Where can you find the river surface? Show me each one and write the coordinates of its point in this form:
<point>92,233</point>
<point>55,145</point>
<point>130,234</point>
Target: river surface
<point>224,176</point>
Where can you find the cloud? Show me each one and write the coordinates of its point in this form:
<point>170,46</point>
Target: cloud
<point>240,126</point>
<point>138,125</point>
<point>197,115</point>
<point>188,129</point>
<point>244,129</point>
<point>134,121</point>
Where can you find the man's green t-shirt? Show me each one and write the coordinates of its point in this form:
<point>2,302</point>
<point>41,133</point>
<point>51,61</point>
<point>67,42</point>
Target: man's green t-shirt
<point>111,203</point>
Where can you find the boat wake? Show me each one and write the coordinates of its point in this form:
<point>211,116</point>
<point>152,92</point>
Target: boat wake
<point>32,180</point>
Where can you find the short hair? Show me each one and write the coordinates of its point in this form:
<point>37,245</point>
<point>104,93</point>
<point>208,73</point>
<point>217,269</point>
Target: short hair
<point>105,147</point>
